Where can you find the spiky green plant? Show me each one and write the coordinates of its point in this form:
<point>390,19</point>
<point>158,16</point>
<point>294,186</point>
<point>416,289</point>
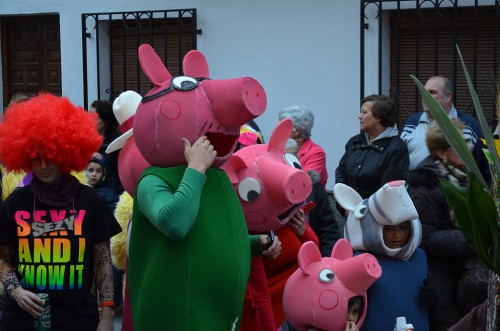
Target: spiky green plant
<point>476,208</point>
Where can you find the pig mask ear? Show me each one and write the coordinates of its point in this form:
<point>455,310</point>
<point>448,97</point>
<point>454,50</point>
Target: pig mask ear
<point>231,167</point>
<point>152,66</point>
<point>308,254</point>
<point>195,65</point>
<point>346,196</point>
<point>342,250</point>
<point>280,135</point>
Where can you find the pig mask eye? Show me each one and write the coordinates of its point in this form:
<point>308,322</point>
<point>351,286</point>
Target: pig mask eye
<point>180,83</point>
<point>292,160</point>
<point>326,276</point>
<point>249,189</point>
<point>184,83</point>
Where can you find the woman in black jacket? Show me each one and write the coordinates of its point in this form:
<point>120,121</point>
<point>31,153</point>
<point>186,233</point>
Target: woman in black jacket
<point>376,148</point>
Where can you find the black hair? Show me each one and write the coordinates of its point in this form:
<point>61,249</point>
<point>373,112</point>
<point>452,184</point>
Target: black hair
<point>104,109</point>
<point>360,301</point>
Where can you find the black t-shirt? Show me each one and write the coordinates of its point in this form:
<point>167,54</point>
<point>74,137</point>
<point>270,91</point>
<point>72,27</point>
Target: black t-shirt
<point>54,255</point>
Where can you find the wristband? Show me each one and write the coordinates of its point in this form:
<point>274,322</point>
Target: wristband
<point>109,303</point>
<point>10,285</point>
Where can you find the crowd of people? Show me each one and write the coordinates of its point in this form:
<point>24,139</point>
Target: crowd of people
<point>55,227</point>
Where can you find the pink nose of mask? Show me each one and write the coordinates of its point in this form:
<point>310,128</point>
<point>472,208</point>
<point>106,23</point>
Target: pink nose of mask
<point>245,95</point>
<point>284,183</point>
<point>359,272</point>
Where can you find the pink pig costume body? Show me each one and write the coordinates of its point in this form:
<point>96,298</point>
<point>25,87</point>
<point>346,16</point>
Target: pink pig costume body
<point>317,294</point>
<point>189,256</point>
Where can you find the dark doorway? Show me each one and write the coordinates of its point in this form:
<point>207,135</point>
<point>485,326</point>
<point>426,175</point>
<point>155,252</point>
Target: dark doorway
<point>31,55</point>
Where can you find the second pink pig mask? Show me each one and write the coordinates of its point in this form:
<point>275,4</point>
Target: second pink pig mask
<point>317,294</point>
<point>270,183</point>
<point>191,106</point>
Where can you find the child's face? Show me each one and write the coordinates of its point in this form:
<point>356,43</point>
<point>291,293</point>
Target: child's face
<point>93,173</point>
<point>353,312</point>
<point>396,236</point>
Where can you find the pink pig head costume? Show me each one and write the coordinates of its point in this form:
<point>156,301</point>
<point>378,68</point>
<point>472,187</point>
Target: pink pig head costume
<point>189,256</point>
<point>270,182</point>
<point>317,294</point>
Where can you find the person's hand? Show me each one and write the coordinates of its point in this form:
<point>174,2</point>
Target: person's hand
<point>351,326</point>
<point>106,323</point>
<point>298,223</point>
<point>200,155</point>
<point>275,250</point>
<point>28,301</point>
<point>97,156</point>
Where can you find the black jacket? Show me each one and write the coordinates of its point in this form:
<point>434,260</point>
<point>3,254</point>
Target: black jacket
<point>442,240</point>
<point>363,164</point>
<point>321,218</point>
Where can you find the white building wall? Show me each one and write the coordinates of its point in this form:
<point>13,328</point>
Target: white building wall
<point>302,52</point>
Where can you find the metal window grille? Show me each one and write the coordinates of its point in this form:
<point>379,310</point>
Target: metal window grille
<point>110,42</point>
<point>418,37</point>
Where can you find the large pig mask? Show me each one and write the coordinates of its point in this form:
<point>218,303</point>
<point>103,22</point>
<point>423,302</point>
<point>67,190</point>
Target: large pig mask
<point>191,106</point>
<point>269,182</point>
<point>317,294</point>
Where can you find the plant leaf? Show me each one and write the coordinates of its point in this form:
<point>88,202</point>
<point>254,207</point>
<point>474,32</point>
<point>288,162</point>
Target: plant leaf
<point>457,200</point>
<point>484,218</point>
<point>451,133</point>
<point>490,142</point>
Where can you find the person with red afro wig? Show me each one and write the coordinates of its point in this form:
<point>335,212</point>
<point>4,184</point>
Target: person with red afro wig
<point>54,232</point>
<point>51,125</point>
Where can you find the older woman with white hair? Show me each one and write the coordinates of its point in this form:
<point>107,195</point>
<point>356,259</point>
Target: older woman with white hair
<point>310,154</point>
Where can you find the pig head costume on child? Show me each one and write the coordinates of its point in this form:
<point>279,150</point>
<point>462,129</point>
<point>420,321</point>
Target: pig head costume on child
<point>317,294</point>
<point>192,277</point>
<point>269,182</point>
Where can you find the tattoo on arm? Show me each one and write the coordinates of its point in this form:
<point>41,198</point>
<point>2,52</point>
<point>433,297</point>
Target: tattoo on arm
<point>7,274</point>
<point>103,271</point>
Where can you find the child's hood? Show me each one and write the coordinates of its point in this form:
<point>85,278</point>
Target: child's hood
<point>390,205</point>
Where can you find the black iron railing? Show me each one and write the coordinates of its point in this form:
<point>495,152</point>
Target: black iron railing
<point>418,37</point>
<point>110,41</point>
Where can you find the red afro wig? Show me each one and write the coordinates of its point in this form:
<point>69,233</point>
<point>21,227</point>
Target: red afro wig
<point>50,127</point>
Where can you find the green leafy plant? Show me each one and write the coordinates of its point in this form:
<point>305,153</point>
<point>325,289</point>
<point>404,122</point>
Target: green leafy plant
<point>476,208</point>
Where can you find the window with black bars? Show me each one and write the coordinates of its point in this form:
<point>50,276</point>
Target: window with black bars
<point>423,35</point>
<point>111,41</point>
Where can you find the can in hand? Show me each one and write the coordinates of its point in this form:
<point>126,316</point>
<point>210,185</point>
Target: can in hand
<point>43,322</point>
